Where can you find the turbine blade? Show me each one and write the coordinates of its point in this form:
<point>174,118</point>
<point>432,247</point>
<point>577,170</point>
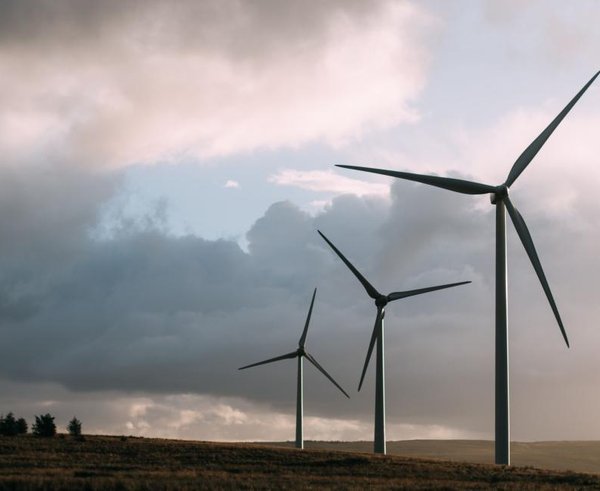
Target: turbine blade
<point>371,345</point>
<point>410,293</point>
<point>370,288</point>
<point>310,358</point>
<point>527,241</point>
<point>534,147</point>
<point>271,360</point>
<point>303,337</point>
<point>457,185</point>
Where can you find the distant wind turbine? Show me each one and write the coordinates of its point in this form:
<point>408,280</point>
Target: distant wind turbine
<point>499,197</point>
<point>378,335</point>
<point>301,353</point>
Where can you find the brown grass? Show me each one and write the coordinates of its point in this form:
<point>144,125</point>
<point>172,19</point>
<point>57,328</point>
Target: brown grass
<point>580,456</point>
<point>140,463</point>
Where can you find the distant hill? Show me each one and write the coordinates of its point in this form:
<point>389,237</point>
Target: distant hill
<point>141,463</point>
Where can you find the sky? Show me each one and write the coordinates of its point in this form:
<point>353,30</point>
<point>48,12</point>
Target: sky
<point>166,165</point>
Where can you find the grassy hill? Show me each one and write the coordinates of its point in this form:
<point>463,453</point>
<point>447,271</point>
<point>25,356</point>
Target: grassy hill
<point>141,463</point>
<point>579,456</point>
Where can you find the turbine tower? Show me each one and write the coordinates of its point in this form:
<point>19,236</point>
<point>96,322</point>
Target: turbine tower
<point>378,335</point>
<point>499,197</point>
<point>301,353</point>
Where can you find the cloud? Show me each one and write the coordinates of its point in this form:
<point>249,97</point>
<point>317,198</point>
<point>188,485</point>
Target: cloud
<point>192,417</point>
<point>555,36</point>
<point>231,184</point>
<point>328,181</point>
<point>144,312</point>
<point>211,78</point>
<point>561,176</point>
<point>158,324</point>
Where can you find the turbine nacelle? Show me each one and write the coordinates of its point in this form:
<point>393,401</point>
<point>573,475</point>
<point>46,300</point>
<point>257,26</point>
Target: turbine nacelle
<point>381,301</point>
<point>500,193</point>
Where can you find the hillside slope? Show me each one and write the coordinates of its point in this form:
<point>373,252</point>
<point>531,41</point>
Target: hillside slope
<point>139,463</point>
<point>579,456</point>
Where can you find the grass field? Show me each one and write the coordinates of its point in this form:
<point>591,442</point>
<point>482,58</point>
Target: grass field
<point>140,463</point>
<point>579,456</point>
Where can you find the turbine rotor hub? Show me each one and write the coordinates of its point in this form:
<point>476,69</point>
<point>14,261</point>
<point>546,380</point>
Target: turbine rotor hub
<point>381,301</point>
<point>500,193</point>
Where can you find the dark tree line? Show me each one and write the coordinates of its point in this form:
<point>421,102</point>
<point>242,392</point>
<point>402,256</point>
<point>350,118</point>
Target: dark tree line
<point>44,426</point>
<point>10,426</point>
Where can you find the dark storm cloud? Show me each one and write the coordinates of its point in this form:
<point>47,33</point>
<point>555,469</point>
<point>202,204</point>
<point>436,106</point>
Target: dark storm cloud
<point>45,218</point>
<point>146,311</point>
<point>184,24</point>
<point>150,311</point>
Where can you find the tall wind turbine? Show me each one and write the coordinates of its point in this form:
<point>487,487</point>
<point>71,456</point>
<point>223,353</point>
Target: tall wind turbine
<point>301,353</point>
<point>499,197</point>
<point>378,335</point>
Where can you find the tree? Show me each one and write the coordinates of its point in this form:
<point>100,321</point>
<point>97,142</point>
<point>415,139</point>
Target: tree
<point>8,425</point>
<point>44,426</point>
<point>74,427</point>
<point>21,426</point>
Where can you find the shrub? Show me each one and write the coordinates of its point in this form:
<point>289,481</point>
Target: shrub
<point>8,425</point>
<point>44,426</point>
<point>22,426</point>
<point>74,427</point>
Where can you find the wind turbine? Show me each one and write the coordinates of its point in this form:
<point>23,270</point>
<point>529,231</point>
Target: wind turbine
<point>301,353</point>
<point>499,197</point>
<point>378,335</point>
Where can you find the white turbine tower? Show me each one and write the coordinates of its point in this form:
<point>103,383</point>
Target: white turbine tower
<point>499,197</point>
<point>301,353</point>
<point>378,335</point>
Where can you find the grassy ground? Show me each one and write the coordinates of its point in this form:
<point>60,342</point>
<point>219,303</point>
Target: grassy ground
<point>579,456</point>
<point>139,463</point>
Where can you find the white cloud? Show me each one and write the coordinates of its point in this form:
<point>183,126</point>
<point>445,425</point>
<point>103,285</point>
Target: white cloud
<point>318,205</point>
<point>232,184</point>
<point>199,81</point>
<point>201,417</point>
<point>565,171</point>
<point>330,182</point>
<point>562,176</point>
